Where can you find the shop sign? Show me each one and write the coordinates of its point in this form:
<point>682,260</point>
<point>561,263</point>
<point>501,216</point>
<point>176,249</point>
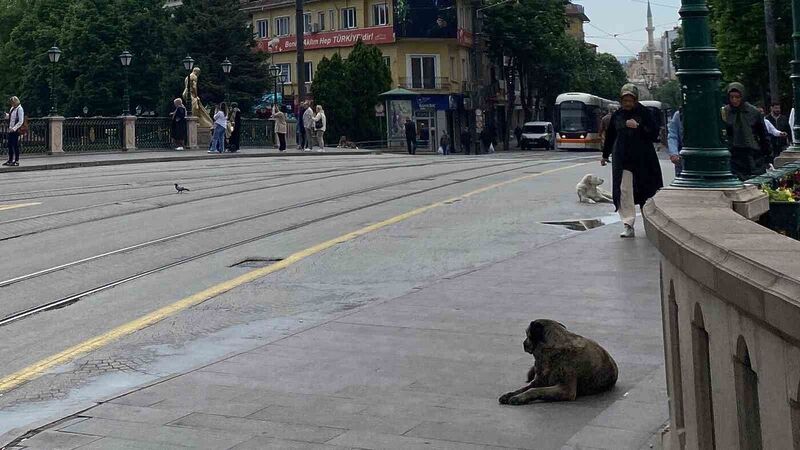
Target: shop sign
<point>332,39</point>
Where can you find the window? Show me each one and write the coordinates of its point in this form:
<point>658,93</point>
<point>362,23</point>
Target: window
<point>309,72</point>
<point>321,20</point>
<point>307,22</point>
<point>262,29</point>
<point>423,72</point>
<point>453,68</point>
<point>348,18</point>
<point>387,61</point>
<point>332,15</point>
<point>286,73</point>
<point>282,26</point>
<point>380,14</point>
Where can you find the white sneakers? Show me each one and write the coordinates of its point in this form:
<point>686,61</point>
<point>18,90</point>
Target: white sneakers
<point>627,232</point>
<point>179,148</point>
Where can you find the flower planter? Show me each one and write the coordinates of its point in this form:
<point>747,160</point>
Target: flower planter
<point>783,218</point>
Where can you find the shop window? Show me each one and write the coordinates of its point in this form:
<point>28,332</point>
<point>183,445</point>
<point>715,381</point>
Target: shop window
<point>348,18</point>
<point>423,72</point>
<point>704,406</point>
<point>747,405</point>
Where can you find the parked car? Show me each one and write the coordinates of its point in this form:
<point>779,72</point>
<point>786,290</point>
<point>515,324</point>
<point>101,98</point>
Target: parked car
<point>538,134</point>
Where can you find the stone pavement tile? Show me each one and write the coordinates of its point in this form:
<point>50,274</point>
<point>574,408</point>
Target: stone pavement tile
<point>633,416</point>
<point>332,418</point>
<point>143,397</point>
<point>155,416</point>
<point>268,443</point>
<point>369,440</point>
<point>201,421</point>
<point>154,434</point>
<point>129,444</point>
<point>312,402</point>
<point>57,440</point>
<point>179,394</point>
<point>537,435</point>
<point>608,438</point>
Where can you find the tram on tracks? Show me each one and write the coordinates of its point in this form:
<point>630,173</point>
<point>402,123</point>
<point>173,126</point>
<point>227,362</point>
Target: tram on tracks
<point>662,112</point>
<point>577,120</point>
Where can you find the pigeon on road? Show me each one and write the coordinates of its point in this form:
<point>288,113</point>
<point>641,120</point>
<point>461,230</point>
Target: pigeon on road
<point>180,188</point>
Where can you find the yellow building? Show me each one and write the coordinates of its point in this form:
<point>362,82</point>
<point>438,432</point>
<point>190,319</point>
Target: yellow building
<point>425,43</point>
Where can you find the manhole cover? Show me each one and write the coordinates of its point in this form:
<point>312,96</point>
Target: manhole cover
<point>256,262</point>
<point>584,224</point>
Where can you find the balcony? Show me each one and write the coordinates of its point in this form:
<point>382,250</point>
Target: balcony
<point>429,84</point>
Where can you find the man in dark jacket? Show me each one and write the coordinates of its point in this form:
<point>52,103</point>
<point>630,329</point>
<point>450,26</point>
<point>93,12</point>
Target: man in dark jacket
<point>518,135</point>
<point>411,136</point>
<point>466,140</point>
<point>781,123</point>
<point>746,133</point>
<point>635,167</point>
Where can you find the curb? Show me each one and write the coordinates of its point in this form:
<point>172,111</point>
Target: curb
<point>119,162</point>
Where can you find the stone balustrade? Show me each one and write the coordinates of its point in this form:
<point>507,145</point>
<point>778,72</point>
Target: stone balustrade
<point>731,316</point>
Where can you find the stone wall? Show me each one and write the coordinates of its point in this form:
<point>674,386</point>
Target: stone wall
<point>731,314</point>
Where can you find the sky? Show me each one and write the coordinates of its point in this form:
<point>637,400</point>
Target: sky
<point>627,19</point>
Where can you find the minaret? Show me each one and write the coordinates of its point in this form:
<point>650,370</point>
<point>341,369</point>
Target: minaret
<point>651,45</point>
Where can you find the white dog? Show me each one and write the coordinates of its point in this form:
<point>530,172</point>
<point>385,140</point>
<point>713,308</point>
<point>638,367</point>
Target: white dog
<point>589,190</point>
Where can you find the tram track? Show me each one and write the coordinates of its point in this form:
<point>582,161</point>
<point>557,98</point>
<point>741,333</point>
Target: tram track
<point>70,299</point>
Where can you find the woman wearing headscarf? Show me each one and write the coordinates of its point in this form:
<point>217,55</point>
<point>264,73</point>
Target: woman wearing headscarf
<point>630,136</point>
<point>235,125</point>
<point>747,134</point>
<point>178,124</point>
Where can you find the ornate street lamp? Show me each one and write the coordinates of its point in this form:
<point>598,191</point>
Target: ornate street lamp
<point>125,59</point>
<point>54,54</point>
<point>275,72</point>
<point>794,150</point>
<point>226,69</point>
<point>706,160</point>
<point>188,64</point>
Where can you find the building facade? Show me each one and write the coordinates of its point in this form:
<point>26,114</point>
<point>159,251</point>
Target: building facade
<point>425,43</point>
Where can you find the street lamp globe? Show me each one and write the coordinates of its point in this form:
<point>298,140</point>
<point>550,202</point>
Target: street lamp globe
<point>226,66</point>
<point>188,62</point>
<point>125,58</point>
<point>54,54</point>
<point>274,70</point>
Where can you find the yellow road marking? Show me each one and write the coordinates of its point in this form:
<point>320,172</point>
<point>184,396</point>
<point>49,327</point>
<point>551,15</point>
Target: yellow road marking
<point>37,369</point>
<point>18,205</point>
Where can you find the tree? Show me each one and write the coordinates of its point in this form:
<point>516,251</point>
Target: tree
<point>669,92</point>
<point>330,89</point>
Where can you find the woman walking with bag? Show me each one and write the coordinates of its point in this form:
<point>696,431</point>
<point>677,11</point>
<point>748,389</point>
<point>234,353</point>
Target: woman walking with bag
<point>320,125</point>
<point>280,126</point>
<point>220,125</point>
<point>16,119</point>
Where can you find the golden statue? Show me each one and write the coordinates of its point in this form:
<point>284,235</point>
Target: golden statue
<point>198,110</point>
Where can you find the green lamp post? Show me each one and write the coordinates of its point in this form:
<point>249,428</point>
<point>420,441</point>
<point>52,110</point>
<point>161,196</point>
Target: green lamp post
<point>793,152</point>
<point>706,159</point>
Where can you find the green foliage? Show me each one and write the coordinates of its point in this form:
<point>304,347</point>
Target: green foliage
<point>348,90</point>
<point>739,34</point>
<point>669,92</point>
<point>92,33</point>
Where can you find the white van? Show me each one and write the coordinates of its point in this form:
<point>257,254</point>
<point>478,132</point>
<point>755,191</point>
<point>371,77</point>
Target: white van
<point>538,134</point>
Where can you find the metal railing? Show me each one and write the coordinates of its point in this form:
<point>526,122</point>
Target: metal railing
<point>35,141</point>
<point>93,134</point>
<point>256,133</point>
<point>153,132</point>
<point>426,84</point>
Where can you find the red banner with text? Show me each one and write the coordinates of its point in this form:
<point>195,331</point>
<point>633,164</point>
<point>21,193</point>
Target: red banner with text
<point>344,38</point>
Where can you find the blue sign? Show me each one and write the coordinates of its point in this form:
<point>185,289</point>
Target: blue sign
<point>437,102</point>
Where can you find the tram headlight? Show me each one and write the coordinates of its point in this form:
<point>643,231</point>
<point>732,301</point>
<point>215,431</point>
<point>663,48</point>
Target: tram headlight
<point>582,136</point>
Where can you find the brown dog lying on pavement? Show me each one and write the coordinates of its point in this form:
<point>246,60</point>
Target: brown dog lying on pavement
<point>565,366</point>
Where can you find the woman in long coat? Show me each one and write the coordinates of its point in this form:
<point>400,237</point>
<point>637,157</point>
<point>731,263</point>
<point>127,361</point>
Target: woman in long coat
<point>178,124</point>
<point>235,124</point>
<point>635,166</point>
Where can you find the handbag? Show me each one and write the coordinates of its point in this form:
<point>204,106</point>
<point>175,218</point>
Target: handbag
<point>318,124</point>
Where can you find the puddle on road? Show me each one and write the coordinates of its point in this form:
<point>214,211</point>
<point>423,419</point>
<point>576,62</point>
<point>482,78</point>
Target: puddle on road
<point>585,224</point>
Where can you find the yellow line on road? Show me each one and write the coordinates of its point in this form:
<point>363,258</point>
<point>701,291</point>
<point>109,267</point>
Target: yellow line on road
<point>37,369</point>
<point>18,205</point>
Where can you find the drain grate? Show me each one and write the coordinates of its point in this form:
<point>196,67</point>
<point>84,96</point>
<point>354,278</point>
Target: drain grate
<point>255,262</point>
<point>584,224</point>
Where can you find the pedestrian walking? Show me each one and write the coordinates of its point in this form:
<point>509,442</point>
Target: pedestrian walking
<point>308,126</point>
<point>16,120</point>
<point>235,127</point>
<point>518,135</point>
<point>675,141</point>
<point>746,133</point>
<point>485,139</point>
<point>178,124</point>
<point>320,125</point>
<point>636,171</point>
<point>444,143</point>
<point>220,124</point>
<point>466,140</point>
<point>780,123</point>
<point>411,136</point>
<point>281,127</point>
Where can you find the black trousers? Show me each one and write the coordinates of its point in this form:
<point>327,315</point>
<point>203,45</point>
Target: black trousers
<point>281,141</point>
<point>412,146</point>
<point>13,146</point>
<point>746,162</point>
